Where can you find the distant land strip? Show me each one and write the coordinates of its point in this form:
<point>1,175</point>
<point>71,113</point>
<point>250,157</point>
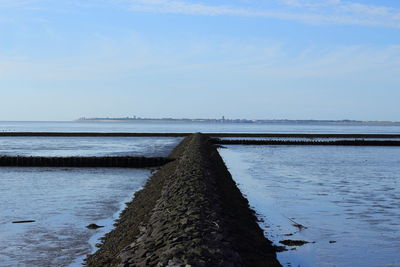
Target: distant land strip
<point>127,134</point>
<point>226,120</point>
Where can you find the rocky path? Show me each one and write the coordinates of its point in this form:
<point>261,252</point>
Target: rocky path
<point>189,213</point>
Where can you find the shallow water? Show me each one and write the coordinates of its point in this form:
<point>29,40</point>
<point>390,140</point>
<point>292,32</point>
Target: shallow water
<point>347,197</point>
<point>87,146</point>
<point>62,202</point>
<point>191,127</point>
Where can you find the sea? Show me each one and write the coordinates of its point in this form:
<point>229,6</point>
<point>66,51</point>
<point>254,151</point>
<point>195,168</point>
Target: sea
<point>344,201</point>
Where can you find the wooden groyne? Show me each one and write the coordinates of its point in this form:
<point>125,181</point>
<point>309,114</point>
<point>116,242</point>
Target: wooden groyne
<point>190,213</point>
<point>104,162</point>
<point>91,134</point>
<point>261,135</point>
<point>304,135</point>
<point>307,142</point>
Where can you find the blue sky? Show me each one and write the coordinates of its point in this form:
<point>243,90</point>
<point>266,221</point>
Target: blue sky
<point>294,59</point>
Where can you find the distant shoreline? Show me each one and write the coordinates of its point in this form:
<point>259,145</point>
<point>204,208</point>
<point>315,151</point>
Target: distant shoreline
<point>184,120</point>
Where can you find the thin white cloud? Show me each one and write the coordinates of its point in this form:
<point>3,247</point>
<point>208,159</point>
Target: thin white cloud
<point>262,60</point>
<point>346,61</point>
<point>307,11</point>
<point>16,3</point>
<point>317,12</point>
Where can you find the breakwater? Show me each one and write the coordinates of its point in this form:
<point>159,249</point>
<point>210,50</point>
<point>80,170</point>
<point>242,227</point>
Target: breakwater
<point>189,213</point>
<point>128,134</point>
<point>308,142</point>
<point>91,134</point>
<point>104,162</point>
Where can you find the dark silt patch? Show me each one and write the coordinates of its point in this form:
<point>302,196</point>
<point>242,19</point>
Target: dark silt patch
<point>292,243</point>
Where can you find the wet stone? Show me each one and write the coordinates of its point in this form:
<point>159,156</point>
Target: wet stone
<point>294,242</point>
<point>94,226</point>
<point>190,213</point>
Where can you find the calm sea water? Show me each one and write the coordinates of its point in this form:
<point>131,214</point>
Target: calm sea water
<point>63,201</point>
<point>88,146</point>
<point>181,127</point>
<point>348,198</point>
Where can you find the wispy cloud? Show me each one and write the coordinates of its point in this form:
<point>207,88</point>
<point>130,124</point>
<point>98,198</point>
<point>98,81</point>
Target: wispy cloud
<point>141,70</point>
<point>137,57</point>
<point>352,62</point>
<point>316,12</point>
<point>16,3</point>
<point>306,11</point>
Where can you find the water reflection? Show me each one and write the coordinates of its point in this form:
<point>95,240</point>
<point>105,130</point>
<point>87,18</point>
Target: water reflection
<point>62,202</point>
<point>192,127</point>
<point>87,146</point>
<point>347,197</point>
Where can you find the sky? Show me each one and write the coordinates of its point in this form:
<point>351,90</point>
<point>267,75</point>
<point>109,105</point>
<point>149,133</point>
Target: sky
<point>254,59</point>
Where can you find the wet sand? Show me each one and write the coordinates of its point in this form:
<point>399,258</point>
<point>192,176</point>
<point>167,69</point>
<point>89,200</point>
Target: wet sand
<point>345,199</point>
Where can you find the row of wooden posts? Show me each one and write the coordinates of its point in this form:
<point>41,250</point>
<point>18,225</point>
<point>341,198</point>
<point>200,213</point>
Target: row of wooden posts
<point>120,162</point>
<point>307,142</point>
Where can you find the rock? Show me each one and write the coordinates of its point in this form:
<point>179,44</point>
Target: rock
<point>189,213</point>
<point>280,248</point>
<point>26,221</point>
<point>93,226</point>
<point>294,242</point>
